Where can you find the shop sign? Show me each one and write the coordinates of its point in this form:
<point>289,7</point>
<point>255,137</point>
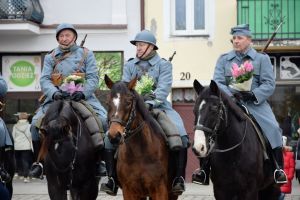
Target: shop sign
<point>22,73</point>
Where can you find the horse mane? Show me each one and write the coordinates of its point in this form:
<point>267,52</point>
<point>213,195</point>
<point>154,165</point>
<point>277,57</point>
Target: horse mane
<point>146,114</point>
<point>232,106</point>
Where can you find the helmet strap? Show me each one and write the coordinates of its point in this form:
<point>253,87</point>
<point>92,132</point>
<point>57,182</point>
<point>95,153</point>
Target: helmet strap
<point>144,52</point>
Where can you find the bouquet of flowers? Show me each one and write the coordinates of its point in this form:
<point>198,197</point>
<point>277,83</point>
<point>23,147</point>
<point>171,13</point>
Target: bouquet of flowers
<point>144,85</point>
<point>72,83</point>
<point>242,76</point>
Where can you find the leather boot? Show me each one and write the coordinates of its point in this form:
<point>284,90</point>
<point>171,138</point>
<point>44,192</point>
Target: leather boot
<point>111,186</point>
<point>100,164</point>
<point>279,175</point>
<point>178,186</point>
<point>201,175</point>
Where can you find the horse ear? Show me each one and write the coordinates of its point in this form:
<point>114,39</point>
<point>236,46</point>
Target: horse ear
<point>197,86</point>
<point>109,83</point>
<point>214,87</point>
<point>132,83</point>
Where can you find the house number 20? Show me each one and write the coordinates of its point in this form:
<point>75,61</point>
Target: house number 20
<point>185,76</point>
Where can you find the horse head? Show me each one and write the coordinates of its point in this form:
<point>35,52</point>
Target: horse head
<point>59,130</point>
<point>210,117</point>
<point>122,108</point>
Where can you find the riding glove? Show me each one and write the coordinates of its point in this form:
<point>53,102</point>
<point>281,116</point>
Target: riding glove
<point>149,97</point>
<point>77,96</point>
<point>245,96</point>
<point>149,106</point>
<point>57,96</point>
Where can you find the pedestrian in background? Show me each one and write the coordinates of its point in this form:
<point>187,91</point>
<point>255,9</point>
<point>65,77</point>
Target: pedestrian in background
<point>23,145</point>
<point>289,168</point>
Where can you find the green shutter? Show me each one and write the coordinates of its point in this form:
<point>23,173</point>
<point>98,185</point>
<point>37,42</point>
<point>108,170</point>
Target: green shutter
<point>264,16</point>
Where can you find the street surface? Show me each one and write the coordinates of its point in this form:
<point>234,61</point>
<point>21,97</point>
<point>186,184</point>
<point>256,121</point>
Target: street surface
<point>37,190</point>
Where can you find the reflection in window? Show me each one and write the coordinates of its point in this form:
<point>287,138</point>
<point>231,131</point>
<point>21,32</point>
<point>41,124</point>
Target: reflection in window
<point>199,14</point>
<point>180,14</point>
<point>290,67</point>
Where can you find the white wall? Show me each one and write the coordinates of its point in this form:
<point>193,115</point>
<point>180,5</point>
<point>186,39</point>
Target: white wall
<point>81,12</point>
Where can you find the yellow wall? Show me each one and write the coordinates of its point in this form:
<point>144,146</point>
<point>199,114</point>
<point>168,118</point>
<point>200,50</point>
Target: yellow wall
<point>196,55</point>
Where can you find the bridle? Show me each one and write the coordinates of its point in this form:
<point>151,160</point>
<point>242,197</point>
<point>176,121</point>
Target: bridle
<point>70,167</point>
<point>222,116</point>
<point>128,132</point>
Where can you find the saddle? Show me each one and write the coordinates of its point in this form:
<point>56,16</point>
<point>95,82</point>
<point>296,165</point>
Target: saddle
<point>172,135</point>
<point>91,120</point>
<point>261,136</point>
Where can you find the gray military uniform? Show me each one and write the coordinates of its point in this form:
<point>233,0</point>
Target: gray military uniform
<point>5,139</point>
<point>67,67</point>
<point>263,86</point>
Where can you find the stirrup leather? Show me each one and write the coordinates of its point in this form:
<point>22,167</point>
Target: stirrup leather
<point>278,181</point>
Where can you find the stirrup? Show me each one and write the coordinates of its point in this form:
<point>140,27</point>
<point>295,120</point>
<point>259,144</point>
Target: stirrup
<point>279,181</point>
<point>198,171</point>
<point>178,190</point>
<point>111,191</point>
<point>37,164</point>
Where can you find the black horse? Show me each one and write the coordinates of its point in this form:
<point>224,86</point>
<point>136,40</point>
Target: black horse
<point>68,152</point>
<point>7,163</point>
<point>225,134</point>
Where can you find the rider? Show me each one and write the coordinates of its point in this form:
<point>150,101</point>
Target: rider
<point>66,59</point>
<point>6,144</point>
<point>5,139</point>
<point>148,61</point>
<point>255,100</point>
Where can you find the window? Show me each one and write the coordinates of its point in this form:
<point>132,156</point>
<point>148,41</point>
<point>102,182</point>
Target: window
<point>190,17</point>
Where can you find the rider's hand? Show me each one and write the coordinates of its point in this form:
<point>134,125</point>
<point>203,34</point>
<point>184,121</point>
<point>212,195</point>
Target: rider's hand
<point>149,106</point>
<point>77,96</point>
<point>149,97</point>
<point>245,96</point>
<point>57,96</point>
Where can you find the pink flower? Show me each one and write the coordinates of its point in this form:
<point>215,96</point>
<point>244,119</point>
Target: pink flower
<point>242,73</point>
<point>71,87</point>
<point>248,66</point>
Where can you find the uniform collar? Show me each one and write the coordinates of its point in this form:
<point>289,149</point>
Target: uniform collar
<point>152,60</point>
<point>251,53</point>
<point>59,52</point>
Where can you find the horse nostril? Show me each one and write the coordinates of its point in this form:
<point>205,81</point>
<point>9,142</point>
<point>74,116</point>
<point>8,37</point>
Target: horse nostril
<point>117,139</point>
<point>202,148</point>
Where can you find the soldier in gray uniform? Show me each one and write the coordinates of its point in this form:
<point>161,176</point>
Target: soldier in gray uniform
<point>64,60</point>
<point>255,100</point>
<point>147,61</point>
<point>5,139</point>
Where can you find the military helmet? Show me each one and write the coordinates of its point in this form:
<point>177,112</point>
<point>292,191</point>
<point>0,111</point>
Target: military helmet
<point>145,36</point>
<point>65,26</point>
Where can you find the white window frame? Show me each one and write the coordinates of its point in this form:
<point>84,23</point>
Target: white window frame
<point>190,31</point>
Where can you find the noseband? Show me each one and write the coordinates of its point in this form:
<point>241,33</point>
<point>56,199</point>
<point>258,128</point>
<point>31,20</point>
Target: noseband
<point>128,133</point>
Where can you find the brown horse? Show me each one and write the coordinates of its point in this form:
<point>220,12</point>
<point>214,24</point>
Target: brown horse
<point>142,158</point>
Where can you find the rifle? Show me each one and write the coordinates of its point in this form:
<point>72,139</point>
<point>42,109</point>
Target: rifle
<point>272,37</point>
<point>43,96</point>
<point>171,58</point>
<point>83,41</point>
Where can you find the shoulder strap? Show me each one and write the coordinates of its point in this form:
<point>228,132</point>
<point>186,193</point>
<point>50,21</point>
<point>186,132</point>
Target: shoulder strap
<point>85,54</point>
<point>57,61</point>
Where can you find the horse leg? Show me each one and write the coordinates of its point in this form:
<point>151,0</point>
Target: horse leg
<point>128,195</point>
<point>160,193</point>
<point>56,193</point>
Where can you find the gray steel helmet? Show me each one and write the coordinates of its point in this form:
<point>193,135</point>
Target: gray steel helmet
<point>64,26</point>
<point>145,36</point>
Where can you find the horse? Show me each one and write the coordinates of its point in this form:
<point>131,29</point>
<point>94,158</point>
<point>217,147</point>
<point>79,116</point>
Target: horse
<point>142,156</point>
<point>68,153</point>
<point>225,135</point>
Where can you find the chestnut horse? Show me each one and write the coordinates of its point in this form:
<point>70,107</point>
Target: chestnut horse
<point>142,158</point>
